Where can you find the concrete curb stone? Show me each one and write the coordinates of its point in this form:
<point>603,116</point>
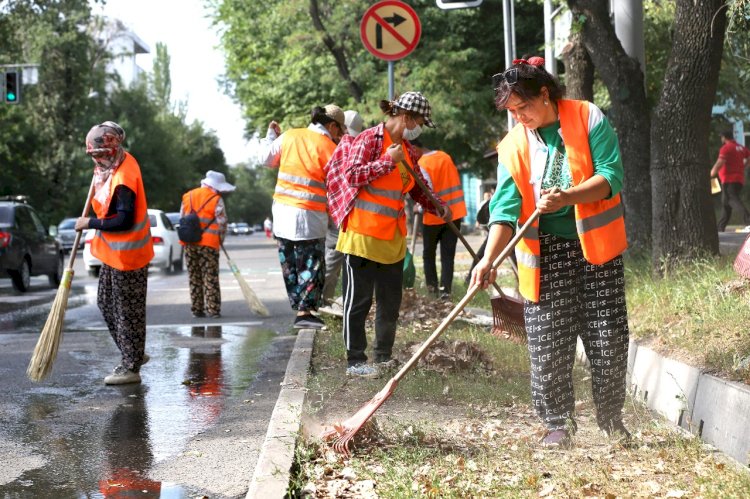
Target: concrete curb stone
<point>273,470</point>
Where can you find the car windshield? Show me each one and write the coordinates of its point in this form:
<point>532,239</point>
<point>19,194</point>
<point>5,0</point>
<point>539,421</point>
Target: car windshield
<point>173,217</point>
<point>242,226</point>
<point>6,215</point>
<point>67,224</point>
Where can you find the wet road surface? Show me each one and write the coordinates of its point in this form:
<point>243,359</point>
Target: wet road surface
<point>193,427</point>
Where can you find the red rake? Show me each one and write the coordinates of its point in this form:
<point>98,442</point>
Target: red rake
<point>342,433</point>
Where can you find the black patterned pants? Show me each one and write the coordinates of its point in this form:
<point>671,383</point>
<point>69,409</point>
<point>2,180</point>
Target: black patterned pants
<point>577,299</point>
<point>203,277</point>
<point>304,269</point>
<point>122,301</point>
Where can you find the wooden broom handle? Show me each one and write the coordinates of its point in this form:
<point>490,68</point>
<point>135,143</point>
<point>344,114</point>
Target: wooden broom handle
<point>79,233</point>
<point>414,231</point>
<point>438,206</point>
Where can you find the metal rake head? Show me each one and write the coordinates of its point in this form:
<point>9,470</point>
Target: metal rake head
<point>508,319</point>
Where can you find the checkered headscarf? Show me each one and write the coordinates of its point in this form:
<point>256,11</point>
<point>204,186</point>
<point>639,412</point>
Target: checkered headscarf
<point>415,102</point>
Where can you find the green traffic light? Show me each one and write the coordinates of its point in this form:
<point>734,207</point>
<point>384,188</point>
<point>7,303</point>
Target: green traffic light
<point>10,96</point>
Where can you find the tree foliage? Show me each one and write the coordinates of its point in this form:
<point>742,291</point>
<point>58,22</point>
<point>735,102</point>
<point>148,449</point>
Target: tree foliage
<point>280,64</point>
<point>42,152</point>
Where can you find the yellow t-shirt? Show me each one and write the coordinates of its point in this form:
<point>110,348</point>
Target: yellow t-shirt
<point>372,248</point>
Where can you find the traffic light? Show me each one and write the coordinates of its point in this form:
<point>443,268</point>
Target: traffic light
<point>12,90</point>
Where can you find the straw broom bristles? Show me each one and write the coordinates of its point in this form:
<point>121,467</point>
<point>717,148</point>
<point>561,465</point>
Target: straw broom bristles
<point>45,351</point>
<point>250,297</point>
<point>46,348</point>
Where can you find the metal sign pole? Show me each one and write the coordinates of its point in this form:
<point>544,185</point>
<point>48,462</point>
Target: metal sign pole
<point>390,80</point>
<point>507,24</point>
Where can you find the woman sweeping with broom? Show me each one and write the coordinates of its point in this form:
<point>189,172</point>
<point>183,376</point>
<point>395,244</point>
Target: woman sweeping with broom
<point>123,244</point>
<point>563,159</point>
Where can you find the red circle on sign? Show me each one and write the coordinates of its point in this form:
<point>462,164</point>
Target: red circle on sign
<point>409,46</point>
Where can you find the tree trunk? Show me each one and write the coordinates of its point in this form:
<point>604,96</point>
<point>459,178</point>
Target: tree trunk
<point>684,224</point>
<point>624,80</point>
<point>579,69</point>
<point>337,51</point>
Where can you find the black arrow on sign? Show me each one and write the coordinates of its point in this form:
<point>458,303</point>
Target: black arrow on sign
<point>395,20</point>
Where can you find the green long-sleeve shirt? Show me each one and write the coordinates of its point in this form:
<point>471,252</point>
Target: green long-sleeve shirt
<point>505,205</point>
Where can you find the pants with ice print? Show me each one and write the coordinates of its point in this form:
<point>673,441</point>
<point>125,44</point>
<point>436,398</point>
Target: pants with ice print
<point>577,299</point>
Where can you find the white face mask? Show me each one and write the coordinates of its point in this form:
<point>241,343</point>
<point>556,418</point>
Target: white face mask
<point>412,133</point>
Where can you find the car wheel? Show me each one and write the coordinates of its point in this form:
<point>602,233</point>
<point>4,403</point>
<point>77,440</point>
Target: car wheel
<point>178,265</point>
<point>21,278</point>
<point>170,265</point>
<point>56,276</point>
<point>94,271</point>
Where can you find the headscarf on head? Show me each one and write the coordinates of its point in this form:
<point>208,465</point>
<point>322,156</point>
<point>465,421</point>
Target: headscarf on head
<point>104,145</point>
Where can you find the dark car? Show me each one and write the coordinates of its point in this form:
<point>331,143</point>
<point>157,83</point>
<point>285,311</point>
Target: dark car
<point>66,234</point>
<point>26,249</point>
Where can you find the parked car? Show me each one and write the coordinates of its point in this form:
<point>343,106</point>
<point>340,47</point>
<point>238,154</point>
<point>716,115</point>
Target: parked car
<point>239,229</point>
<point>26,248</point>
<point>174,217</point>
<point>168,254</point>
<point>65,233</point>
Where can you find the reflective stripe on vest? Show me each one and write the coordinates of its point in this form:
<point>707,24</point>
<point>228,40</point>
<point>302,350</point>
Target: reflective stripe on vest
<point>204,201</point>
<point>379,206</point>
<point>600,225</point>
<point>446,184</point>
<point>127,245</point>
<point>131,249</point>
<point>301,180</point>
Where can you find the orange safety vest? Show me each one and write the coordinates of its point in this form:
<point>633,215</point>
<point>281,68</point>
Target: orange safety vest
<point>600,224</point>
<point>204,200</point>
<point>446,184</point>
<point>131,249</point>
<point>301,182</point>
<point>379,207</point>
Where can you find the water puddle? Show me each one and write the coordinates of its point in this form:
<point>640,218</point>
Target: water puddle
<point>103,441</point>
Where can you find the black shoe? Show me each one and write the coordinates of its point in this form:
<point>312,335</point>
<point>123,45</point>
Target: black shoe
<point>199,314</point>
<point>616,430</point>
<point>308,321</point>
<point>217,315</point>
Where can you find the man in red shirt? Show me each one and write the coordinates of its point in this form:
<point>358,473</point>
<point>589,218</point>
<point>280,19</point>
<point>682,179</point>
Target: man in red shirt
<point>730,168</point>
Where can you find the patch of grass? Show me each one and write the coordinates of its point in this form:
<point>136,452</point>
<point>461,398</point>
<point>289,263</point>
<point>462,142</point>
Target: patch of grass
<point>698,311</point>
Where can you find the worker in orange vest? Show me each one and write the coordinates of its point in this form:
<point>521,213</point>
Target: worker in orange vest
<point>299,206</point>
<point>442,177</point>
<point>563,159</point>
<point>367,185</point>
<point>122,243</point>
<point>202,257</point>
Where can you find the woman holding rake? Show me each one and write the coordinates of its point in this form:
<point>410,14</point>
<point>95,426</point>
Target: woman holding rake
<point>563,159</point>
<point>366,190</point>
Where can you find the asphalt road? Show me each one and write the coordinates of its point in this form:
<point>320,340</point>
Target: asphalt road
<point>193,427</point>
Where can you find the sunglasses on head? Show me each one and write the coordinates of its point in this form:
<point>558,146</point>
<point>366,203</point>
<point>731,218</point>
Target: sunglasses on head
<point>509,75</point>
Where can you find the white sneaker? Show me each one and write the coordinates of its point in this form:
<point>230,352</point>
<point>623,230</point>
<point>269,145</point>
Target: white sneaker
<point>334,309</point>
<point>363,371</point>
<point>746,229</point>
<point>122,376</point>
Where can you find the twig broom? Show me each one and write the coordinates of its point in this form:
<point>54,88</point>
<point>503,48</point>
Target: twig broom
<point>48,343</point>
<point>250,297</point>
<point>342,433</point>
<point>507,311</point>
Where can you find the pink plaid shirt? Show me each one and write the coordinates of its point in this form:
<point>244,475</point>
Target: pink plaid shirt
<point>355,163</point>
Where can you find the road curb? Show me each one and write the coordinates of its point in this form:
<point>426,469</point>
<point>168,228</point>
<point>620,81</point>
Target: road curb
<point>273,469</point>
